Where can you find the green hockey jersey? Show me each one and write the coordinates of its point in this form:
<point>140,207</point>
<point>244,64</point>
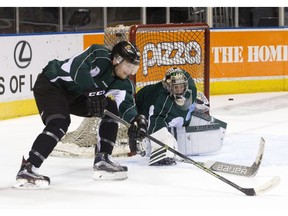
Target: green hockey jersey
<point>93,67</point>
<point>161,110</point>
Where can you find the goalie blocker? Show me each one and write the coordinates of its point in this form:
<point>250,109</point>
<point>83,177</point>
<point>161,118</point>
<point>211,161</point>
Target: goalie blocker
<point>204,135</point>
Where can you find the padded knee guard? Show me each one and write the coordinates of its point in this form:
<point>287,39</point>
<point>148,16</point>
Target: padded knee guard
<point>46,141</point>
<point>56,128</point>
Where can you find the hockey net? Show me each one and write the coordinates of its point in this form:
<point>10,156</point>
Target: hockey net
<point>162,46</point>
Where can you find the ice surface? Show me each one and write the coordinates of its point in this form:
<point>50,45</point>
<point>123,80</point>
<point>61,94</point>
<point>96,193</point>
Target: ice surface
<point>176,190</point>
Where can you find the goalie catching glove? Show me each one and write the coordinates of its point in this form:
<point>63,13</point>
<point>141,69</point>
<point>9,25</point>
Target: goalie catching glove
<point>96,101</point>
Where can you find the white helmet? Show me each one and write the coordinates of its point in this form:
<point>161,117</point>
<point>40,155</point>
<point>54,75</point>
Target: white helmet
<point>176,84</point>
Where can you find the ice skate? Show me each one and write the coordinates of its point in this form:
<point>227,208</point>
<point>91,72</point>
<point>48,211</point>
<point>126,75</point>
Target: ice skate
<point>28,178</point>
<point>106,169</point>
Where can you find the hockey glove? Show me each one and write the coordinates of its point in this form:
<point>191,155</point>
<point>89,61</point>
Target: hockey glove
<point>138,128</point>
<point>96,101</point>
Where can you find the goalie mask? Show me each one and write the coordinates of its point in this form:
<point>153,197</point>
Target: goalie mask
<point>176,84</point>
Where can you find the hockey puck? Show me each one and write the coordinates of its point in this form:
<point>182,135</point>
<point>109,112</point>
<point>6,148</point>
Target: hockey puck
<point>230,99</point>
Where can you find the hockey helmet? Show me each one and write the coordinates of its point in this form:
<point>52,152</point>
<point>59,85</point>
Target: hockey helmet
<point>176,84</point>
<point>127,56</point>
<point>127,51</point>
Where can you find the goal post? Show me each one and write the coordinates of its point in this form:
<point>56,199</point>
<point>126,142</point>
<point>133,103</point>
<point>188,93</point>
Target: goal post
<point>162,46</point>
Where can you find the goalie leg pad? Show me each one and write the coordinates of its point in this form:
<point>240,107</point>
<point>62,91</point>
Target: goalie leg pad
<point>159,158</point>
<point>160,155</point>
<point>193,142</point>
<point>204,135</point>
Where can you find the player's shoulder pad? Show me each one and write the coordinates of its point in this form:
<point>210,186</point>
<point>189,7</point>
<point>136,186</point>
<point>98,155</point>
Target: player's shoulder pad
<point>99,48</point>
<point>125,84</point>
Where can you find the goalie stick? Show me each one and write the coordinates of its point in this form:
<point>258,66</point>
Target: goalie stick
<point>235,169</point>
<point>248,191</point>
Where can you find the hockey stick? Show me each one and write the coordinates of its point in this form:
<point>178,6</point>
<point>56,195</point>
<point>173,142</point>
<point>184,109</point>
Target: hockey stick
<point>235,169</point>
<point>238,169</point>
<point>248,191</point>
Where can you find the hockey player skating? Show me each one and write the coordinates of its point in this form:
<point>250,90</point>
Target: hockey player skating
<point>173,106</point>
<point>85,85</point>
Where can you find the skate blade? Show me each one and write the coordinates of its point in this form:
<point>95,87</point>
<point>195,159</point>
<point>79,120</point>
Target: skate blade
<point>25,185</point>
<point>103,175</point>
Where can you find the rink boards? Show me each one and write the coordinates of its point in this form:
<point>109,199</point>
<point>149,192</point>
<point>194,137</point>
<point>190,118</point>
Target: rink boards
<point>241,61</point>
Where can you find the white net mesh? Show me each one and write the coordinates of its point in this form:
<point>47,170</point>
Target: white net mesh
<point>113,35</point>
<point>81,142</point>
